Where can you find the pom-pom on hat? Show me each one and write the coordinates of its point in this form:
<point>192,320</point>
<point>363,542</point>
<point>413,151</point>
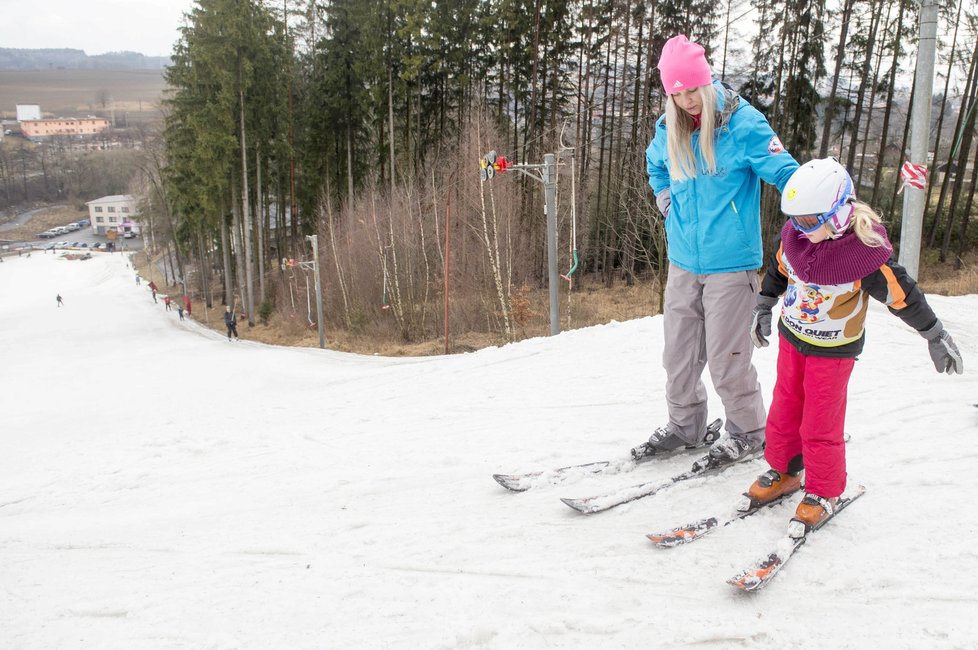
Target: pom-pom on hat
<point>683,65</point>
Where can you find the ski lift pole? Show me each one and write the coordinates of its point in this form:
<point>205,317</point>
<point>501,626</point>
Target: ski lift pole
<point>914,198</point>
<point>314,267</point>
<point>492,165</point>
<point>550,193</point>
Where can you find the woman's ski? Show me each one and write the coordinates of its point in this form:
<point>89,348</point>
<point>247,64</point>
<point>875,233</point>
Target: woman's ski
<point>638,455</point>
<point>702,467</point>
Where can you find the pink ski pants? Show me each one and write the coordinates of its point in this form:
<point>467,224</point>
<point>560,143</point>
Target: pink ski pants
<point>807,416</point>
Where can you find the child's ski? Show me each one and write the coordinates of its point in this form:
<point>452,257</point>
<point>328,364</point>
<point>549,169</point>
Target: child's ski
<point>763,571</point>
<point>698,529</point>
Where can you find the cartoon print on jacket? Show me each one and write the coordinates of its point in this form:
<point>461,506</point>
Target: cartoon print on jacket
<point>811,298</point>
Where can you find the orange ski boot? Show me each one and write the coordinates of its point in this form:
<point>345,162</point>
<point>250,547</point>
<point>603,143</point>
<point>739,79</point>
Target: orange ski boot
<point>771,485</point>
<point>811,512</point>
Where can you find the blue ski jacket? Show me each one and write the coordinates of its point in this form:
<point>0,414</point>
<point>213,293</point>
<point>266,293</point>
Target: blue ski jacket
<point>714,223</point>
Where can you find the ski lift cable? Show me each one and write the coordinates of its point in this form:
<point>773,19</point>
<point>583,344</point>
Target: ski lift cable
<point>573,236</point>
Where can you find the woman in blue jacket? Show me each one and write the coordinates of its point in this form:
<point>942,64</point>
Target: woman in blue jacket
<point>705,163</point>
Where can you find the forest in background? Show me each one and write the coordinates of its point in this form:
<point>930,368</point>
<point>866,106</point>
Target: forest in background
<point>363,122</point>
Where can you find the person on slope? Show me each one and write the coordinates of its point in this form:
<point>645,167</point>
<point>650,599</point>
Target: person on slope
<point>705,163</point>
<point>231,321</point>
<point>833,247</point>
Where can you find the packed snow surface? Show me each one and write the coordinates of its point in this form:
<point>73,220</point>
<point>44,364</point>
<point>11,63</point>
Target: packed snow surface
<point>161,487</point>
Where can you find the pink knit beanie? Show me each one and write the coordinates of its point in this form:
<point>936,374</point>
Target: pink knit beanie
<point>683,65</point>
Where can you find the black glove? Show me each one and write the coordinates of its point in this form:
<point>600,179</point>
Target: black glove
<point>943,352</point>
<point>760,324</point>
<point>663,200</point>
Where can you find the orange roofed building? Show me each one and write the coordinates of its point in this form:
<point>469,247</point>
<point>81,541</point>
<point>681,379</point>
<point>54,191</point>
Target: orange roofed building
<point>37,130</point>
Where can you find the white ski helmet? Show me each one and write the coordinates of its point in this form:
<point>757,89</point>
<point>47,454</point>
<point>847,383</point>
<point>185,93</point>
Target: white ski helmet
<point>820,191</point>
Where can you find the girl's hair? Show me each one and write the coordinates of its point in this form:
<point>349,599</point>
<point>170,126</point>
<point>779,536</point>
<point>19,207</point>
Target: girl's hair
<point>863,219</point>
<point>679,136</point>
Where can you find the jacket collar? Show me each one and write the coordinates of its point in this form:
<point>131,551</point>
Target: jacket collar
<point>728,102</point>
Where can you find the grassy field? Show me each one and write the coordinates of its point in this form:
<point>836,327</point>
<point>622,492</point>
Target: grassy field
<point>134,94</point>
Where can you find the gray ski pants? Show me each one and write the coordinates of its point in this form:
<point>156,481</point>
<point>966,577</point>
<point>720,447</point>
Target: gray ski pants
<point>707,321</point>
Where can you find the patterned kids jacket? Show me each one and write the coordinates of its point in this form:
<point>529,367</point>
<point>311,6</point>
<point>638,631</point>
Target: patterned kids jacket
<point>827,287</point>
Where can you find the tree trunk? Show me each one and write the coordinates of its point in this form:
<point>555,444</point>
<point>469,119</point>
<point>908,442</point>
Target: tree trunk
<point>260,225</point>
<point>226,258</point>
<point>390,122</point>
<point>966,217</point>
<point>349,164</point>
<point>932,234</point>
<point>970,98</point>
<point>249,295</point>
<point>863,79</point>
<point>840,56</point>
<point>602,217</point>
<point>891,87</point>
<point>872,101</point>
<point>963,154</point>
<point>903,148</point>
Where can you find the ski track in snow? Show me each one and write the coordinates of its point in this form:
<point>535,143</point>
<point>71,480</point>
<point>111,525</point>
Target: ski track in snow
<point>163,488</point>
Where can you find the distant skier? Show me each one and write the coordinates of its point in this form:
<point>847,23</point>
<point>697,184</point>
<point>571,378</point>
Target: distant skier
<point>60,301</point>
<point>231,320</point>
<point>180,310</point>
<point>166,301</point>
<point>152,287</point>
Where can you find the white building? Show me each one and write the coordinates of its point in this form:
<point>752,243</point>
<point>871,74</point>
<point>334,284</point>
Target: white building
<point>116,212</point>
<point>27,112</point>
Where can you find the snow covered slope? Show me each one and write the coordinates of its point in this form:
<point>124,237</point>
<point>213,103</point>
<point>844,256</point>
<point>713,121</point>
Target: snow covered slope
<point>163,488</point>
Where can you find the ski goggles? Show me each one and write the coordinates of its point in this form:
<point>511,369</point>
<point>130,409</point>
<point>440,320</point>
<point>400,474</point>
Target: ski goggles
<point>807,223</point>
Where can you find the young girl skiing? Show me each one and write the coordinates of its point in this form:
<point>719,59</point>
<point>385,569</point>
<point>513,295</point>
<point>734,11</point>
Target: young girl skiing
<point>834,255</point>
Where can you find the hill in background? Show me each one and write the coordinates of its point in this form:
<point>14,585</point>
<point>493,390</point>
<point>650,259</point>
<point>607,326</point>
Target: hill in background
<point>48,59</point>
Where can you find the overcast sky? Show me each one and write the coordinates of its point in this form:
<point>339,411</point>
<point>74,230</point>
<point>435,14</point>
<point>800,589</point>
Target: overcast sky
<point>96,26</point>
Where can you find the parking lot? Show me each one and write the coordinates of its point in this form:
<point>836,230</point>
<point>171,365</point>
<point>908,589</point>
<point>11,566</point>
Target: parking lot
<point>84,239</point>
<point>59,237</point>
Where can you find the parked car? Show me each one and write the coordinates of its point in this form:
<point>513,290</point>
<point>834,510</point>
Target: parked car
<point>84,222</point>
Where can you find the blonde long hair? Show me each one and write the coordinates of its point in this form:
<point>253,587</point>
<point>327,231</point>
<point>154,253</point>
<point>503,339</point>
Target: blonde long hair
<point>863,219</point>
<point>679,136</point>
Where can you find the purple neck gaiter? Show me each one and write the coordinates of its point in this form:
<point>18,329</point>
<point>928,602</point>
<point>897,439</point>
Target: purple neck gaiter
<point>833,261</point>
